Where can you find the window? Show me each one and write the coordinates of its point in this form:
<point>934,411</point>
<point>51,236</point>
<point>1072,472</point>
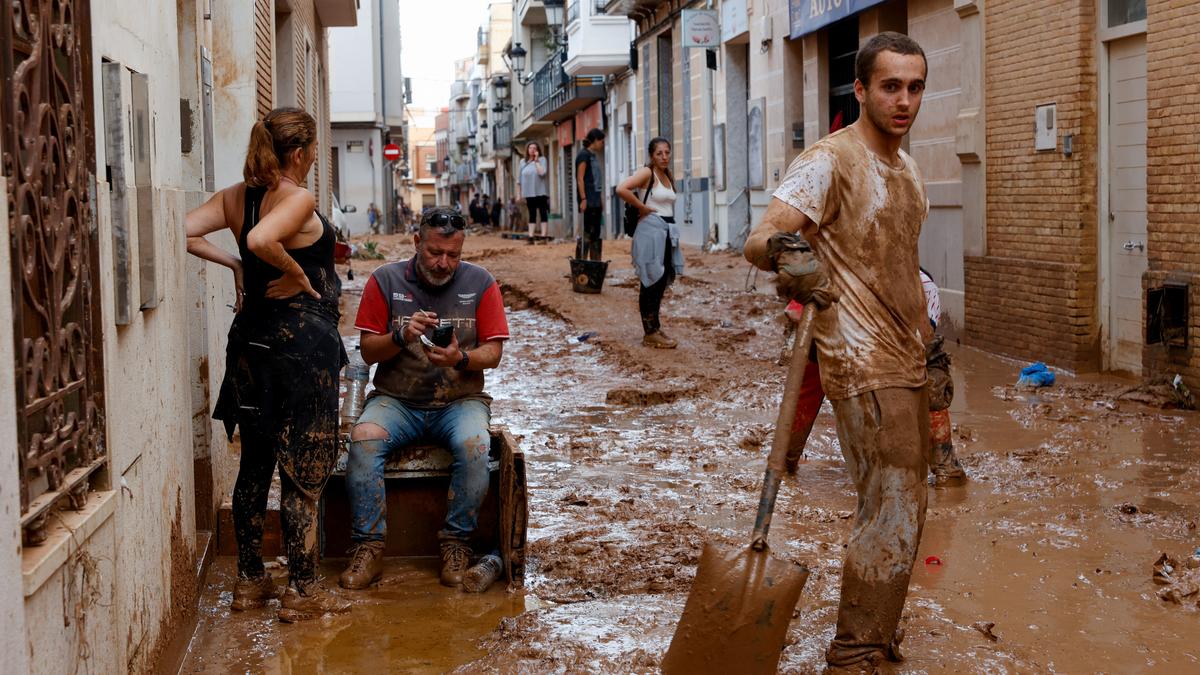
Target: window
<point>843,49</point>
<point>1121,12</point>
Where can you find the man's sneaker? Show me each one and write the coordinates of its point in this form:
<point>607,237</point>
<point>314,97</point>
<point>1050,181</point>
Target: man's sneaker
<point>456,558</point>
<point>314,603</point>
<point>946,470</point>
<point>659,341</point>
<point>365,568</point>
<point>254,593</point>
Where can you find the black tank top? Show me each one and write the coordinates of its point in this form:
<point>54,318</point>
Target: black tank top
<point>316,259</point>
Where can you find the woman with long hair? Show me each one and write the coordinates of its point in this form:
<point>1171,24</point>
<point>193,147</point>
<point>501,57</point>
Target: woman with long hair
<point>656,254</point>
<point>532,187</point>
<point>283,357</point>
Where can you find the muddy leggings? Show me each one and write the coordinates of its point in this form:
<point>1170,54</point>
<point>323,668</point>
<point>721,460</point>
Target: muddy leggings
<point>650,297</point>
<point>884,436</point>
<point>297,513</point>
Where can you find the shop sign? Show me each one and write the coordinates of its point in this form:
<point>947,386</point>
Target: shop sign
<point>701,28</point>
<point>811,15</point>
<point>735,21</point>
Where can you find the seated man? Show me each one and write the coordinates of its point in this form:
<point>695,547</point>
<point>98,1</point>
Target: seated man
<point>425,392</point>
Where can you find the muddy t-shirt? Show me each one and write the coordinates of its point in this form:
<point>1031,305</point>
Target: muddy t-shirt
<point>471,302</point>
<point>868,218</point>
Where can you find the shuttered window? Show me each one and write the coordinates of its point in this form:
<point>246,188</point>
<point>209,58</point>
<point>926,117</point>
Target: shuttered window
<point>264,50</point>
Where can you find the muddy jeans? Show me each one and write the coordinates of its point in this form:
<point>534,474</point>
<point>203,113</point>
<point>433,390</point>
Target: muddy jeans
<point>297,515</point>
<point>884,436</point>
<point>462,427</point>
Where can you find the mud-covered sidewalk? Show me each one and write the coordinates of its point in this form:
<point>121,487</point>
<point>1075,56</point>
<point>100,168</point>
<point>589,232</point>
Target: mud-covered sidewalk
<point>1044,562</point>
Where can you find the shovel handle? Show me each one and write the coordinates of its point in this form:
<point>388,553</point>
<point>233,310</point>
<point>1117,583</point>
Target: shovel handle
<point>777,461</point>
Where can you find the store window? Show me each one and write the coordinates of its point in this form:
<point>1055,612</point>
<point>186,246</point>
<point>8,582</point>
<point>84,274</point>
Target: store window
<point>843,49</point>
<point>1121,12</point>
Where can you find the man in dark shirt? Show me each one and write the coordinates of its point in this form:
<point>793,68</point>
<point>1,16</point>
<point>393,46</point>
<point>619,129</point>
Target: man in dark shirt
<point>588,176</point>
<point>424,391</point>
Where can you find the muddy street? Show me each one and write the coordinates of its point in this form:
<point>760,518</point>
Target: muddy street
<point>1043,562</point>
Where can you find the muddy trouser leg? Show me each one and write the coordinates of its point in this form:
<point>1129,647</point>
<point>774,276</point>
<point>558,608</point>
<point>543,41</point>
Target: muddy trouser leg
<point>592,237</point>
<point>364,466</point>
<point>298,518</point>
<point>650,297</point>
<point>884,436</point>
<point>463,427</point>
<point>943,461</point>
<point>250,502</point>
<point>807,409</point>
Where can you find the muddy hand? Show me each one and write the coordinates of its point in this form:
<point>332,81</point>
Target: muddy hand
<point>802,277</point>
<point>444,357</point>
<point>290,285</point>
<point>418,323</point>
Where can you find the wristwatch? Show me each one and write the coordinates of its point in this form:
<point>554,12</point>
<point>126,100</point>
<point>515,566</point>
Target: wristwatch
<point>462,363</point>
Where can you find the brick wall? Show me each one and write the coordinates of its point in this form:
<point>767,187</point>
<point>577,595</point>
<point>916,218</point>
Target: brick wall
<point>1033,294</point>
<point>1173,154</point>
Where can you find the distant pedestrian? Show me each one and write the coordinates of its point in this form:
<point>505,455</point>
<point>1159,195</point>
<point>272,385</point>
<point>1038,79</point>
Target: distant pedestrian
<point>588,179</point>
<point>656,254</point>
<point>473,209</point>
<point>373,218</point>
<point>497,212</point>
<point>485,211</point>
<point>533,189</point>
<point>283,356</point>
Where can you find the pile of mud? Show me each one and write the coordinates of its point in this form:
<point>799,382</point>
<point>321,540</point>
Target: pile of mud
<point>1180,580</point>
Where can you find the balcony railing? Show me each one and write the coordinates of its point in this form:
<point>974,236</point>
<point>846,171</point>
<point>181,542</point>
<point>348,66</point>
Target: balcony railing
<point>459,90</point>
<point>572,11</point>
<point>502,133</point>
<point>556,95</point>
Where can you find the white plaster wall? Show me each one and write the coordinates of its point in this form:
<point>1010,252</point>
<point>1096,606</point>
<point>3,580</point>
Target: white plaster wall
<point>233,89</point>
<point>12,616</point>
<point>360,183</point>
<point>353,68</point>
<point>147,395</point>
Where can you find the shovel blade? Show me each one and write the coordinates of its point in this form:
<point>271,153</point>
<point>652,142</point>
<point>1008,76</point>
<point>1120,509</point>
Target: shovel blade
<point>737,616</point>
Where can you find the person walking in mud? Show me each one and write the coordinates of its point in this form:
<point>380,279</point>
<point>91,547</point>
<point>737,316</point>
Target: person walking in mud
<point>944,468</point>
<point>588,179</point>
<point>656,254</point>
<point>284,354</point>
<point>532,188</point>
<point>433,324</point>
<point>859,202</point>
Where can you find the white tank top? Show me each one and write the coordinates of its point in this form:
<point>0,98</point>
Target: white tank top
<point>661,197</point>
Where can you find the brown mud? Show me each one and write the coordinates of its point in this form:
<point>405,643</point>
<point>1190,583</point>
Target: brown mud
<point>1073,494</point>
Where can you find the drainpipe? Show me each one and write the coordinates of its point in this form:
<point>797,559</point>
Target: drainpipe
<point>389,207</point>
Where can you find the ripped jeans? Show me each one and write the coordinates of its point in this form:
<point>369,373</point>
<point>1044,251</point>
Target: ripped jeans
<point>462,427</point>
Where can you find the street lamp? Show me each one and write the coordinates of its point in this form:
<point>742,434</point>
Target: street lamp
<point>516,55</point>
<point>554,12</point>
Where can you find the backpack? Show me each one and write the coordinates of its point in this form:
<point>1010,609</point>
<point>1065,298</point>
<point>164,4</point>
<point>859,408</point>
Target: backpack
<point>631,212</point>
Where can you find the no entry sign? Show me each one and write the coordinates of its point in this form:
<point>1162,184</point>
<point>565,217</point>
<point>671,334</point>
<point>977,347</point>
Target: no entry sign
<point>391,152</point>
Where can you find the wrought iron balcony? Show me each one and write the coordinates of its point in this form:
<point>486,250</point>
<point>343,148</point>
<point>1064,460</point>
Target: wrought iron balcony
<point>502,134</point>
<point>459,90</point>
<point>557,96</point>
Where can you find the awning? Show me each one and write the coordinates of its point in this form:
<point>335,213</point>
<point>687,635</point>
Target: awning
<point>807,16</point>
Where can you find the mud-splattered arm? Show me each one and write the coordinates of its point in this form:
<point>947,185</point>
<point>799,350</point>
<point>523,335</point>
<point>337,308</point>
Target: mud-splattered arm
<point>780,217</point>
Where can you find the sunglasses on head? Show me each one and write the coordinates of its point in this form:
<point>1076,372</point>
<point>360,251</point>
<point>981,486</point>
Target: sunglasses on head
<point>443,219</point>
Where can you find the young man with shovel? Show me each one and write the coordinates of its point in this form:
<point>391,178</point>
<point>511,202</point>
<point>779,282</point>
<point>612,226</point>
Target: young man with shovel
<point>859,202</point>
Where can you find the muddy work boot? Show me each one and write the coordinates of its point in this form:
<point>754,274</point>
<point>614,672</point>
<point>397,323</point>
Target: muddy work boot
<point>254,593</point>
<point>945,470</point>
<point>313,603</point>
<point>659,341</point>
<point>456,558</point>
<point>365,568</point>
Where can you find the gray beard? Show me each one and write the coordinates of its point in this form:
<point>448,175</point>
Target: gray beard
<point>432,279</point>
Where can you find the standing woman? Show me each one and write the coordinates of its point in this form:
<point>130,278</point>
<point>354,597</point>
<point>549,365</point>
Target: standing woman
<point>531,187</point>
<point>656,254</point>
<point>283,357</point>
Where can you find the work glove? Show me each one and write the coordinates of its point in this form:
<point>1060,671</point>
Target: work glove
<point>937,368</point>
<point>800,275</point>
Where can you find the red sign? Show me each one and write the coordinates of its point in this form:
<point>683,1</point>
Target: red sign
<point>391,152</point>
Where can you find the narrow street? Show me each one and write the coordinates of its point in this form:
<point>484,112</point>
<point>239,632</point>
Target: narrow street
<point>636,457</point>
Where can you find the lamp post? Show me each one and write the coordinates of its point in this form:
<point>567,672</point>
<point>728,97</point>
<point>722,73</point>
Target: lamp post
<point>516,63</point>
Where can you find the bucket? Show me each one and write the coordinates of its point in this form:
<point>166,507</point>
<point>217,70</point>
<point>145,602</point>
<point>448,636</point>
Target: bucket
<point>587,276</point>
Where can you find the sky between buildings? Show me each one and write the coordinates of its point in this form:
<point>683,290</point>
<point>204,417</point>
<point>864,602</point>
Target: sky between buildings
<point>433,34</point>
